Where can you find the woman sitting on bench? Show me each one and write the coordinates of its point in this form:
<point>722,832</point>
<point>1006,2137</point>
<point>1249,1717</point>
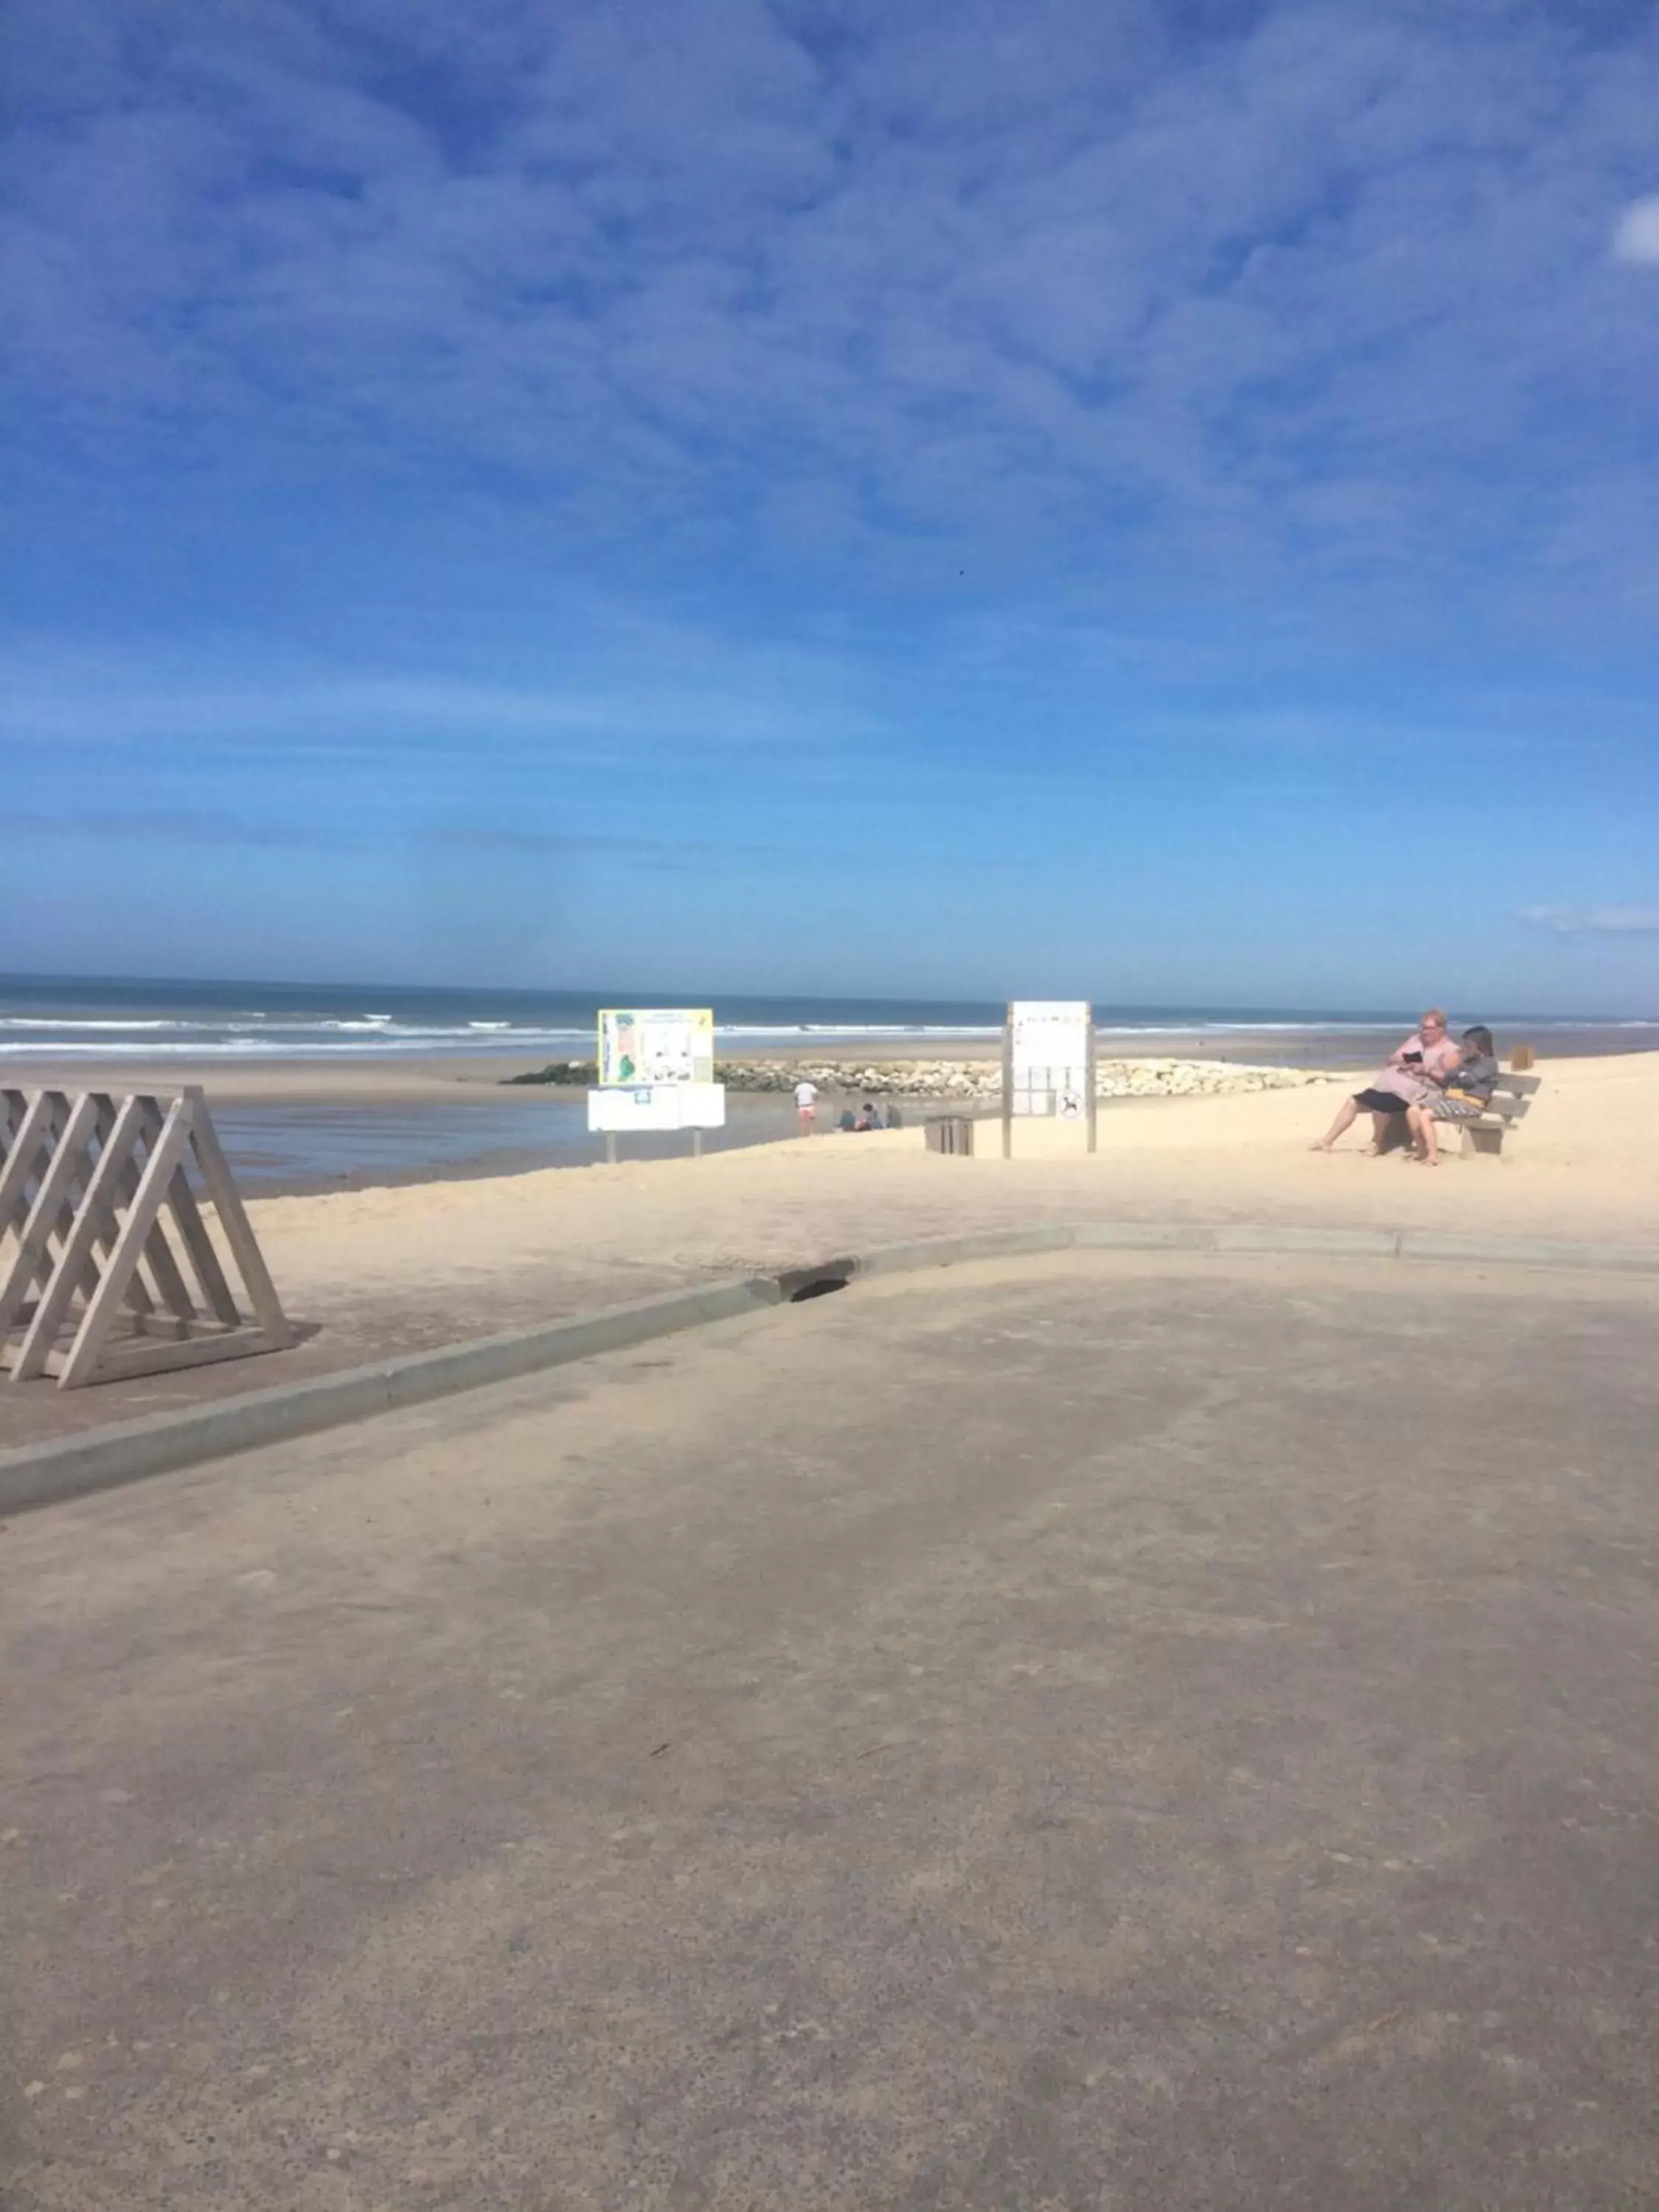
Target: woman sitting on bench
<point>1466,1096</point>
<point>1427,1057</point>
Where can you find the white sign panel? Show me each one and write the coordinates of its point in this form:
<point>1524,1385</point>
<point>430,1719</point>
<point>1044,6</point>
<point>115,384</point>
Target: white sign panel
<point>624,1109</point>
<point>1049,1056</point>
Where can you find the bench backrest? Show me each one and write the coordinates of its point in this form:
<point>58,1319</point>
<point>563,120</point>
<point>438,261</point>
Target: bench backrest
<point>1512,1095</point>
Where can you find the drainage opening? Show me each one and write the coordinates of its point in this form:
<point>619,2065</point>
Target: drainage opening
<point>801,1283</point>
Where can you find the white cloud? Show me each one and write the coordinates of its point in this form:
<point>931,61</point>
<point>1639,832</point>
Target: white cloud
<point>1098,288</point>
<point>1637,238</point>
<point>1595,921</point>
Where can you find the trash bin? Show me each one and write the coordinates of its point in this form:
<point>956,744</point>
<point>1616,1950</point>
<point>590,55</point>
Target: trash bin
<point>950,1132</point>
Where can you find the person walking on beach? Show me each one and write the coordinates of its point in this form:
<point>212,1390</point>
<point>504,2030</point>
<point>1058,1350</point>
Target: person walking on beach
<point>1426,1059</point>
<point>807,1104</point>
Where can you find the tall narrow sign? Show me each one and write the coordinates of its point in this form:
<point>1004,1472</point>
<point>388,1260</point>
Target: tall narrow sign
<point>1048,1064</point>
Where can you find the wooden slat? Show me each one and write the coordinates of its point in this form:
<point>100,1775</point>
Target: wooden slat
<point>174,1290</point>
<point>32,1244</point>
<point>138,1297</point>
<point>39,1122</point>
<point>151,1355</point>
<point>166,1154</point>
<point>100,1198</point>
<point>234,1225</point>
<point>199,1243</point>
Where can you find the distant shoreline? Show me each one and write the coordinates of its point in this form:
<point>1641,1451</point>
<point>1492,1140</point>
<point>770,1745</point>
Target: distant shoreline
<point>409,1077</point>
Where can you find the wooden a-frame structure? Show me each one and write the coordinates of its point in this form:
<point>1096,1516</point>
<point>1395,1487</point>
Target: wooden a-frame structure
<point>108,1266</point>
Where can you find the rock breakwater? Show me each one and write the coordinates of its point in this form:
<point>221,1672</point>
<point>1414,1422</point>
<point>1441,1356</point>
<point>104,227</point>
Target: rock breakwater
<point>971,1081</point>
<point>979,1081</point>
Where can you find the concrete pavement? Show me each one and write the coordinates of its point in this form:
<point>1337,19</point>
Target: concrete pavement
<point>1113,1730</point>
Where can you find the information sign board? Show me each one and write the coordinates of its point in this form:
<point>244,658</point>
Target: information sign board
<point>1049,1063</point>
<point>639,1045</point>
<point>621,1109</point>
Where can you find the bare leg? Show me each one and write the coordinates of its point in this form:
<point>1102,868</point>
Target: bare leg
<point>1379,1132</point>
<point>1344,1120</point>
<point>1422,1129</point>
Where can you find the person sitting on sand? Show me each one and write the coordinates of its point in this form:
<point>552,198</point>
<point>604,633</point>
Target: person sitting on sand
<point>1427,1057</point>
<point>1466,1092</point>
<point>870,1116</point>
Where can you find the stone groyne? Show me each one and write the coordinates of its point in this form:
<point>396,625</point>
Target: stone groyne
<point>972,1082</point>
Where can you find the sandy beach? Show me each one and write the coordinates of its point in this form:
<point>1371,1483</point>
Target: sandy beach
<point>376,1270</point>
<point>1581,1165</point>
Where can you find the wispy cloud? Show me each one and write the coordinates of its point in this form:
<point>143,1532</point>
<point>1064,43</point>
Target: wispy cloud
<point>652,855</point>
<point>183,826</point>
<point>656,691</point>
<point>1595,921</point>
<point>1636,237</point>
<point>1292,291</point>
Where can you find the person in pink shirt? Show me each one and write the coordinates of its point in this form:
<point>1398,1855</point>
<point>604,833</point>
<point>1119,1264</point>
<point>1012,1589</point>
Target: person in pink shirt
<point>1424,1060</point>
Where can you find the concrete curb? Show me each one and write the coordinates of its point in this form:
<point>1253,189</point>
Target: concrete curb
<point>107,1458</point>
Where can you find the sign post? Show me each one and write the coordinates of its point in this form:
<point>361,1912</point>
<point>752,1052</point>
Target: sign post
<point>1048,1064</point>
<point>656,1067</point>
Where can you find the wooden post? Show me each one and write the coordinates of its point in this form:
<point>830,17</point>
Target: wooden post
<point>1089,1078</point>
<point>1008,1083</point>
<point>610,1148</point>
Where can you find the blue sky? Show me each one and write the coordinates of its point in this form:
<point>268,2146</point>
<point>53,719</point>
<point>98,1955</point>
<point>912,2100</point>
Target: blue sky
<point>1151,499</point>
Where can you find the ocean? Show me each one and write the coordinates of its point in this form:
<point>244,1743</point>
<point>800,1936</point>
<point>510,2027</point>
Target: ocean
<point>113,1018</point>
<point>101,1024</point>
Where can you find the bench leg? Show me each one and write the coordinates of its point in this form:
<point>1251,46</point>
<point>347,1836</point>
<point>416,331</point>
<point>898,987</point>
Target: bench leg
<point>1486,1140</point>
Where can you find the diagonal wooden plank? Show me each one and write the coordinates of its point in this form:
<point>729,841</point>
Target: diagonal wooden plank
<point>39,1123</point>
<point>234,1225</point>
<point>164,1157</point>
<point>138,1296</point>
<point>210,1274</point>
<point>169,1280</point>
<point>100,1198</point>
<point>32,1254</point>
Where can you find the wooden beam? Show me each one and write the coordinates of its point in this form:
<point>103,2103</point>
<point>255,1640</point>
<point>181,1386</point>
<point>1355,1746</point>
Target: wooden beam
<point>53,1308</point>
<point>33,1243</point>
<point>39,1123</point>
<point>149,1356</point>
<point>234,1225</point>
<point>166,1154</point>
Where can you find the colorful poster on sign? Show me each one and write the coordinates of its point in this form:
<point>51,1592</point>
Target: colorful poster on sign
<point>656,1044</point>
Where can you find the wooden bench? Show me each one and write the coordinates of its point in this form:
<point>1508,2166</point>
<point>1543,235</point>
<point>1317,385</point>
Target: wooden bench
<point>1511,1101</point>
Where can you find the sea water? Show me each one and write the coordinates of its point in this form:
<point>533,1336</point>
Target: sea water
<point>111,1019</point>
<point>99,1024</point>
